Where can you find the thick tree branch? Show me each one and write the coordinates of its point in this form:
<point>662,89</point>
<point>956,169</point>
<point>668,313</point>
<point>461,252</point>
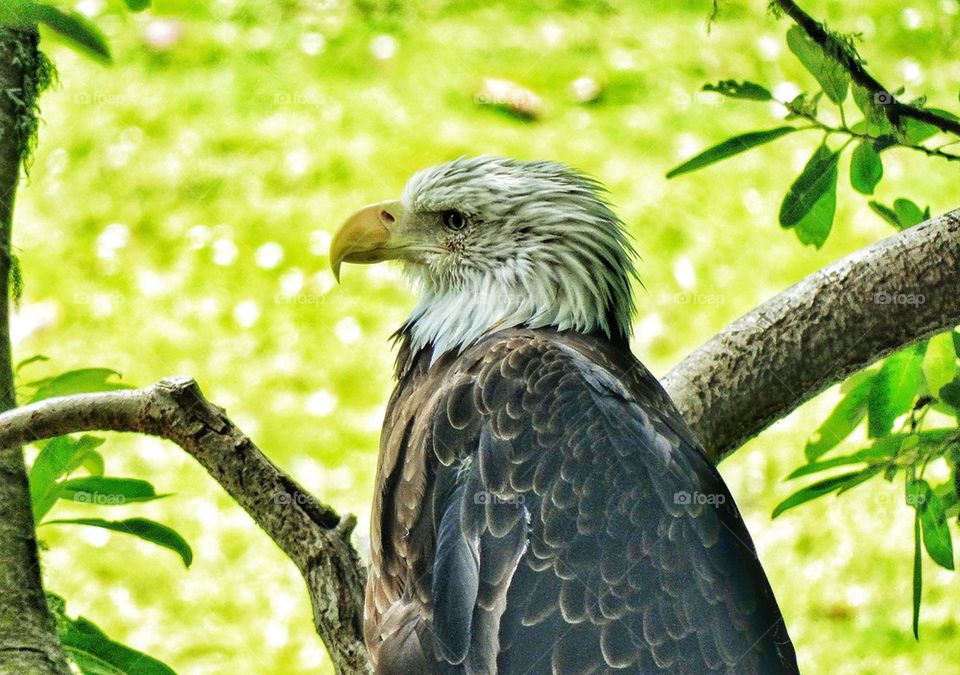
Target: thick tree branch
<point>836,321</point>
<point>847,57</point>
<point>313,535</point>
<point>28,637</point>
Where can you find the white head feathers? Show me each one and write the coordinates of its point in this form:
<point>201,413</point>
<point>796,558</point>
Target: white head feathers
<point>533,244</point>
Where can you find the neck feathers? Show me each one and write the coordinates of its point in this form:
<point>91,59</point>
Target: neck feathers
<point>565,296</point>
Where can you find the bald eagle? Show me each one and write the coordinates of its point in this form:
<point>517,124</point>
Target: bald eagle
<point>540,505</point>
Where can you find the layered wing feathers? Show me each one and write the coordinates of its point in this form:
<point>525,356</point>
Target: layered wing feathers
<point>571,523</point>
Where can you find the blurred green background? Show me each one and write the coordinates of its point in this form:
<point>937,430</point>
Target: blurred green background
<point>179,211</point>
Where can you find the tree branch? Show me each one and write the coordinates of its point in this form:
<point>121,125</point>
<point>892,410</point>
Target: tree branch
<point>312,534</point>
<point>847,57</point>
<point>832,323</point>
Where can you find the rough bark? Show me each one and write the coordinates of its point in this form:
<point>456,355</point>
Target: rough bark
<point>832,323</point>
<point>28,638</point>
<point>312,534</point>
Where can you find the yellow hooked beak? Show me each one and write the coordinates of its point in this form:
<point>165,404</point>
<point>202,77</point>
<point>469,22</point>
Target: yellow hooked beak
<point>368,236</point>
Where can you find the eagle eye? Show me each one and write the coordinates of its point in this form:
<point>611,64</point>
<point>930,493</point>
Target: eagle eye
<point>453,220</point>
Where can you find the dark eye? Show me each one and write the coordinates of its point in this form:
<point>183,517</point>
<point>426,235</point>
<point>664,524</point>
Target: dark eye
<point>453,220</point>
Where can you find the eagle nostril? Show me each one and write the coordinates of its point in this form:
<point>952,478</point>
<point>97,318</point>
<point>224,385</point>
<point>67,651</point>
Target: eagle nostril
<point>386,216</point>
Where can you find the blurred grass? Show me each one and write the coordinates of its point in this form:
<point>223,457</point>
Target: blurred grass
<point>179,211</point>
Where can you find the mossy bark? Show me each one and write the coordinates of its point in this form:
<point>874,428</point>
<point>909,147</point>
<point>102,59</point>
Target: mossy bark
<point>28,637</point>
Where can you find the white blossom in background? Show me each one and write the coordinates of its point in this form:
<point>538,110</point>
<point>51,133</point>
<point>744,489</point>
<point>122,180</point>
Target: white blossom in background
<point>113,238</point>
<point>292,281</point>
<point>297,161</point>
<point>224,252</point>
<point>319,242</point>
<point>911,18</point>
<point>90,8</point>
<point>246,313</point>
<point>769,47</point>
<point>911,71</point>
<point>348,330</point>
<point>312,44</point>
<point>383,47</point>
<point>163,34</point>
<point>321,403</point>
<point>276,634</point>
<point>198,236</point>
<point>785,91</point>
<point>553,33</point>
<point>269,255</point>
<point>684,273</point>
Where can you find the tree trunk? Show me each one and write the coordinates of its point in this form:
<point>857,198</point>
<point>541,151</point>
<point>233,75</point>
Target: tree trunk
<point>28,637</point>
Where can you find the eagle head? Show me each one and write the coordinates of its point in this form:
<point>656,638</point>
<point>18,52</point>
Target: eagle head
<point>492,243</point>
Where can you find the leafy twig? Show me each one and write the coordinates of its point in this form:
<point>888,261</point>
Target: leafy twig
<point>844,54</point>
<point>817,123</point>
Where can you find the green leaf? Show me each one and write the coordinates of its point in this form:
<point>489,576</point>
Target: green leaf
<point>862,99</point>
<point>955,334</point>
<point>26,362</point>
<point>107,491</point>
<point>886,213</point>
<point>745,89</point>
<point>730,147</point>
<point>90,664</point>
<point>854,380</point>
<point>933,521</point>
<point>894,389</point>
<point>940,362</point>
<point>137,5</point>
<point>874,122</point>
<point>95,653</point>
<point>830,74</point>
<point>908,213</point>
<point>57,458</point>
<point>916,131</point>
<point>810,203</point>
<point>79,31</point>
<point>866,169</point>
<point>950,393</point>
<point>841,422</point>
<point>803,106</point>
<point>865,475</point>
<point>917,576</point>
<point>936,532</point>
<point>148,530</point>
<point>85,380</point>
<point>823,487</point>
<point>92,461</point>
<point>877,452</point>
